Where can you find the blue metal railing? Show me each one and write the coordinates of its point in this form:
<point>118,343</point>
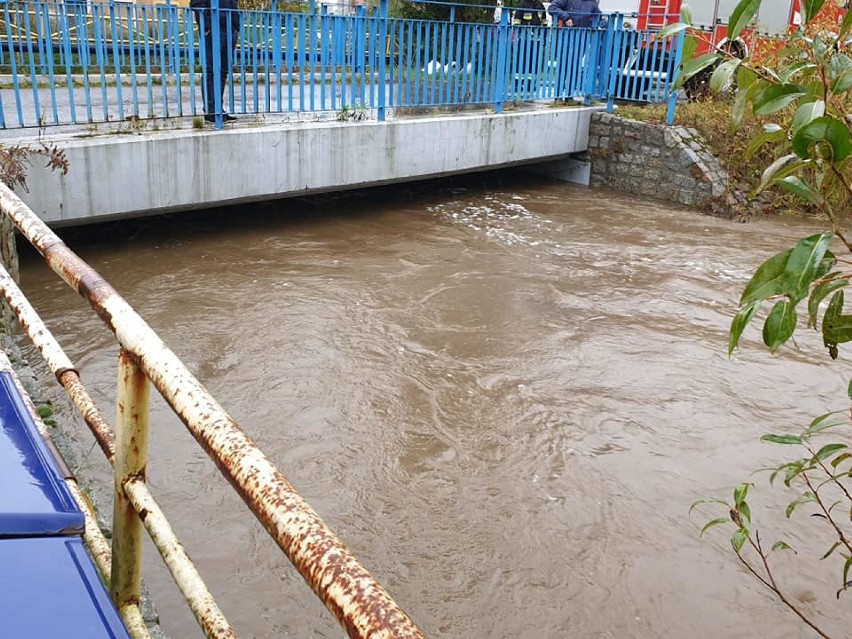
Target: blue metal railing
<point>77,62</point>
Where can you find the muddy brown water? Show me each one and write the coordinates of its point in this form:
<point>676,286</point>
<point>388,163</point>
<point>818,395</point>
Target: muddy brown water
<point>503,394</point>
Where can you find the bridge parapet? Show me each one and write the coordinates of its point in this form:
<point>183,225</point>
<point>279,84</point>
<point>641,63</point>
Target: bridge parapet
<point>100,62</point>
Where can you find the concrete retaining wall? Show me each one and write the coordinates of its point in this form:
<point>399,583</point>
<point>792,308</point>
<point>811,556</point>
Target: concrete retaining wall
<point>652,160</point>
<point>156,172</point>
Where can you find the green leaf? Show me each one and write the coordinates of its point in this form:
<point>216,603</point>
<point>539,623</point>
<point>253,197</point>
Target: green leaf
<point>839,64</point>
<point>784,165</point>
<point>711,500</point>
<point>740,321</point>
<point>740,493</point>
<point>805,263</point>
<point>669,30</point>
<point>685,14</point>
<point>767,280</point>
<point>807,113</point>
<point>842,83</point>
<point>781,545</point>
<point>812,8</point>
<point>748,84</point>
<point>845,25</point>
<point>773,135</point>
<point>690,46</point>
<point>775,97</point>
<point>715,522</point>
<point>781,439</point>
<point>744,13</point>
<point>834,547</point>
<point>780,325</point>
<point>790,272</point>
<point>794,69</point>
<point>798,187</point>
<point>722,75</point>
<point>821,423</point>
<point>836,327</point>
<point>828,450</point>
<point>820,292</point>
<point>738,539</point>
<point>840,459</point>
<point>795,504</point>
<point>693,66</point>
<point>821,132</point>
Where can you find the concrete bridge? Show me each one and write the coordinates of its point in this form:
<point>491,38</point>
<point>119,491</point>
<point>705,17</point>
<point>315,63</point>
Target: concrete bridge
<point>153,172</point>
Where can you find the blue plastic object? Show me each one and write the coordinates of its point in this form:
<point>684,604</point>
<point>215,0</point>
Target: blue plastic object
<point>49,588</point>
<point>34,499</point>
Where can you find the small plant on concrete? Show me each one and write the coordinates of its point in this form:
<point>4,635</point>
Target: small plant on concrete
<point>197,122</point>
<point>355,113</point>
<point>16,160</point>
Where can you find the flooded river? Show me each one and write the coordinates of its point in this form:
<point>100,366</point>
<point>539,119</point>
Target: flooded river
<point>502,394</point>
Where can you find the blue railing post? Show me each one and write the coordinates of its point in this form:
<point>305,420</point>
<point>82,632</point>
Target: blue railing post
<point>614,29</point>
<point>593,57</point>
<point>381,58</point>
<point>502,61</point>
<point>678,58</point>
<point>216,49</point>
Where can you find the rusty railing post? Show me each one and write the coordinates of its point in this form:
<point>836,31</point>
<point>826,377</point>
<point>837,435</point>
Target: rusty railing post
<point>131,460</point>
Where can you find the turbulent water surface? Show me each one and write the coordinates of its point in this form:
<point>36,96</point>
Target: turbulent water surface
<point>503,395</point>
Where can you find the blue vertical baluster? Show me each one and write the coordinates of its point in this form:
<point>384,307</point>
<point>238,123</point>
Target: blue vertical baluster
<point>277,55</point>
<point>445,66</point>
<point>98,29</point>
<point>64,31</point>
<point>312,54</point>
<point>676,60</point>
<point>30,55</point>
<point>133,56</point>
<point>13,65</point>
<point>48,53</point>
<point>458,56</point>
<point>216,35</point>
<point>325,32</point>
<point>195,52</point>
<point>614,48</point>
<point>380,57</point>
<point>116,60</point>
<point>419,78</point>
<point>300,52</point>
<point>145,52</point>
<point>360,51</point>
<point>252,34</point>
<point>289,22</point>
<point>228,60</point>
<point>502,61</point>
<point>162,16</point>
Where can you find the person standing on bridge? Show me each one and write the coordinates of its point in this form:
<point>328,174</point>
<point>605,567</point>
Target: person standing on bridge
<point>574,13</point>
<point>229,33</point>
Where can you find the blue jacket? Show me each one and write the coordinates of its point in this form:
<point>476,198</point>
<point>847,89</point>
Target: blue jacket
<point>581,12</point>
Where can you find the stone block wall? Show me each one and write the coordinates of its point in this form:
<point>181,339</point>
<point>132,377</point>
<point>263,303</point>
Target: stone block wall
<point>653,160</point>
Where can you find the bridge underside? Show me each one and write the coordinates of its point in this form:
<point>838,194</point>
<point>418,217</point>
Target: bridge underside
<point>150,173</point>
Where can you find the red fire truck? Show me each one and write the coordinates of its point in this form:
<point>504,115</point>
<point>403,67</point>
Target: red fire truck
<point>710,17</point>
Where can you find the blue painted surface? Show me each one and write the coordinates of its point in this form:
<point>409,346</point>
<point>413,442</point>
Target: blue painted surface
<point>33,497</point>
<point>49,588</point>
<point>308,61</point>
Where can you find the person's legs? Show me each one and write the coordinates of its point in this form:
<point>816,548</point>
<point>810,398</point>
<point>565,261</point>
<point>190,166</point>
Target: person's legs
<point>205,29</point>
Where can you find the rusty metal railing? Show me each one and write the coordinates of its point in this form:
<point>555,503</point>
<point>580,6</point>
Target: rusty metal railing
<point>358,602</point>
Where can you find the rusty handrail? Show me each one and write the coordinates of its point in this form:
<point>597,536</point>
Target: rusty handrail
<point>347,589</point>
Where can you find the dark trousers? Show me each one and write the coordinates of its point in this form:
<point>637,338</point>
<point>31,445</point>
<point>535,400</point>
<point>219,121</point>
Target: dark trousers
<point>229,31</point>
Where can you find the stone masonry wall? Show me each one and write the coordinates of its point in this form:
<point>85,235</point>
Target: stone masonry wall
<point>652,160</point>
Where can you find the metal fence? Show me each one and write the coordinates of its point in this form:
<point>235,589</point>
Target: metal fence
<point>77,62</point>
<point>363,608</point>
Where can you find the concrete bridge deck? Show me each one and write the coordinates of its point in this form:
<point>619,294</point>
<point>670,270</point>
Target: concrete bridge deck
<point>147,172</point>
